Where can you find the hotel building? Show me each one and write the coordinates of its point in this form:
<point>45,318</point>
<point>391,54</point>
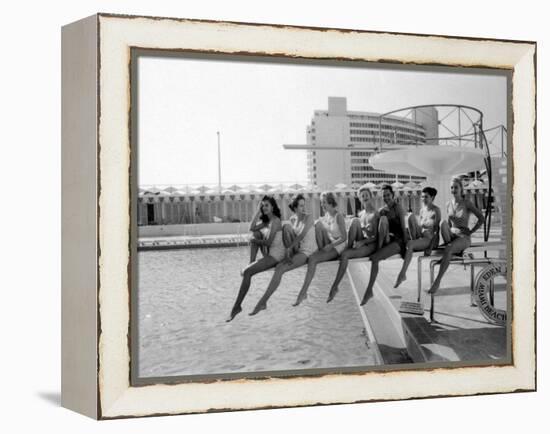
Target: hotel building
<point>340,128</point>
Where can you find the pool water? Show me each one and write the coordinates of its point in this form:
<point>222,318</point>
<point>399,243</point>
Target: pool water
<point>185,296</point>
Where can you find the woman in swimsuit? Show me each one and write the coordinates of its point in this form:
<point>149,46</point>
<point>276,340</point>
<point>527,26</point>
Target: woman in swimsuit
<point>330,232</point>
<point>300,243</point>
<point>455,231</point>
<point>268,219</point>
<point>391,236</point>
<point>362,237</point>
<point>424,234</point>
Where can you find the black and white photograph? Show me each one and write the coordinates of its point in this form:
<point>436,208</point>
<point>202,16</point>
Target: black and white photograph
<point>275,217</point>
<point>296,217</point>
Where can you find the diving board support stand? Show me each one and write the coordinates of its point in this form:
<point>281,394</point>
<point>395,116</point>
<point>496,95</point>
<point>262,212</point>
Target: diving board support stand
<point>467,259</point>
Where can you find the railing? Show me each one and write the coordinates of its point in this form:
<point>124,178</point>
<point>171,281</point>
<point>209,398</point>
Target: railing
<point>460,123</point>
<point>498,138</point>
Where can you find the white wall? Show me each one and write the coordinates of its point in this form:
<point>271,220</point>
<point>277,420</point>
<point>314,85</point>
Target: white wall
<point>193,230</point>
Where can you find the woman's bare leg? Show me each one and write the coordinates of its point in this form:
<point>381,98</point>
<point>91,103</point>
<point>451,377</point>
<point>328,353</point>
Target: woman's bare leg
<point>456,246</point>
<point>355,233</point>
<point>313,260</point>
<point>383,232</point>
<point>321,235</point>
<point>417,245</point>
<point>296,261</point>
<point>256,235</point>
<point>414,228</point>
<point>385,252</point>
<point>288,238</point>
<point>255,268</point>
<point>445,232</point>
<point>346,255</point>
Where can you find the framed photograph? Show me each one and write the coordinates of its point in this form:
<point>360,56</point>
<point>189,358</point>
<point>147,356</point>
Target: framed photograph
<point>262,216</point>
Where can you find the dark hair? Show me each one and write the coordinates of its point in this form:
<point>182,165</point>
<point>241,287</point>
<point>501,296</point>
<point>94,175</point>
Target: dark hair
<point>330,198</point>
<point>430,190</point>
<point>276,210</point>
<point>294,204</point>
<point>389,188</point>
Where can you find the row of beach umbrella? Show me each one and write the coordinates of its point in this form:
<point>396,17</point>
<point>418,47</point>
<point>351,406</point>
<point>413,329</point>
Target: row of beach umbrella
<point>203,192</point>
<point>233,189</point>
<point>280,188</point>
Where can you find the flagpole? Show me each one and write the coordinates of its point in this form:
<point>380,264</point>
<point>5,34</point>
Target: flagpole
<point>219,165</point>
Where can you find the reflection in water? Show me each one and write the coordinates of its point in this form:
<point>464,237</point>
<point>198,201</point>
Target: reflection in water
<point>185,296</point>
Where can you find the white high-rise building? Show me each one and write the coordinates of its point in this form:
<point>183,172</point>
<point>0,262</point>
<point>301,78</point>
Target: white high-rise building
<point>340,128</point>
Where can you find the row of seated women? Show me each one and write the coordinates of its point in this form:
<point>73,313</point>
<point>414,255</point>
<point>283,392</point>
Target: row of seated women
<point>374,234</point>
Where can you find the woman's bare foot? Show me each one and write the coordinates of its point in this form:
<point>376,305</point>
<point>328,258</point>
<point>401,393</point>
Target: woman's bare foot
<point>400,279</point>
<point>234,313</point>
<point>332,294</point>
<point>301,297</point>
<point>432,290</point>
<point>368,295</point>
<point>259,307</point>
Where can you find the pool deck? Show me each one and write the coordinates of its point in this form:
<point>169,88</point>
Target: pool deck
<point>459,333</point>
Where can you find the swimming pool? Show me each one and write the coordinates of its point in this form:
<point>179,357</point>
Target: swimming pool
<point>185,296</point>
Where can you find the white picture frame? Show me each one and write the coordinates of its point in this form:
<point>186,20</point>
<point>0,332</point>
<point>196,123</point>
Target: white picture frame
<point>97,229</point>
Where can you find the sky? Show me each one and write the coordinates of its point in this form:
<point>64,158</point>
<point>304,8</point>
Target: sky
<point>259,106</point>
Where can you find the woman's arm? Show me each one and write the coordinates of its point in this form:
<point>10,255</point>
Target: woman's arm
<point>258,226</point>
<point>254,225</point>
<point>479,215</point>
<point>308,223</point>
<point>275,227</point>
<point>437,217</point>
